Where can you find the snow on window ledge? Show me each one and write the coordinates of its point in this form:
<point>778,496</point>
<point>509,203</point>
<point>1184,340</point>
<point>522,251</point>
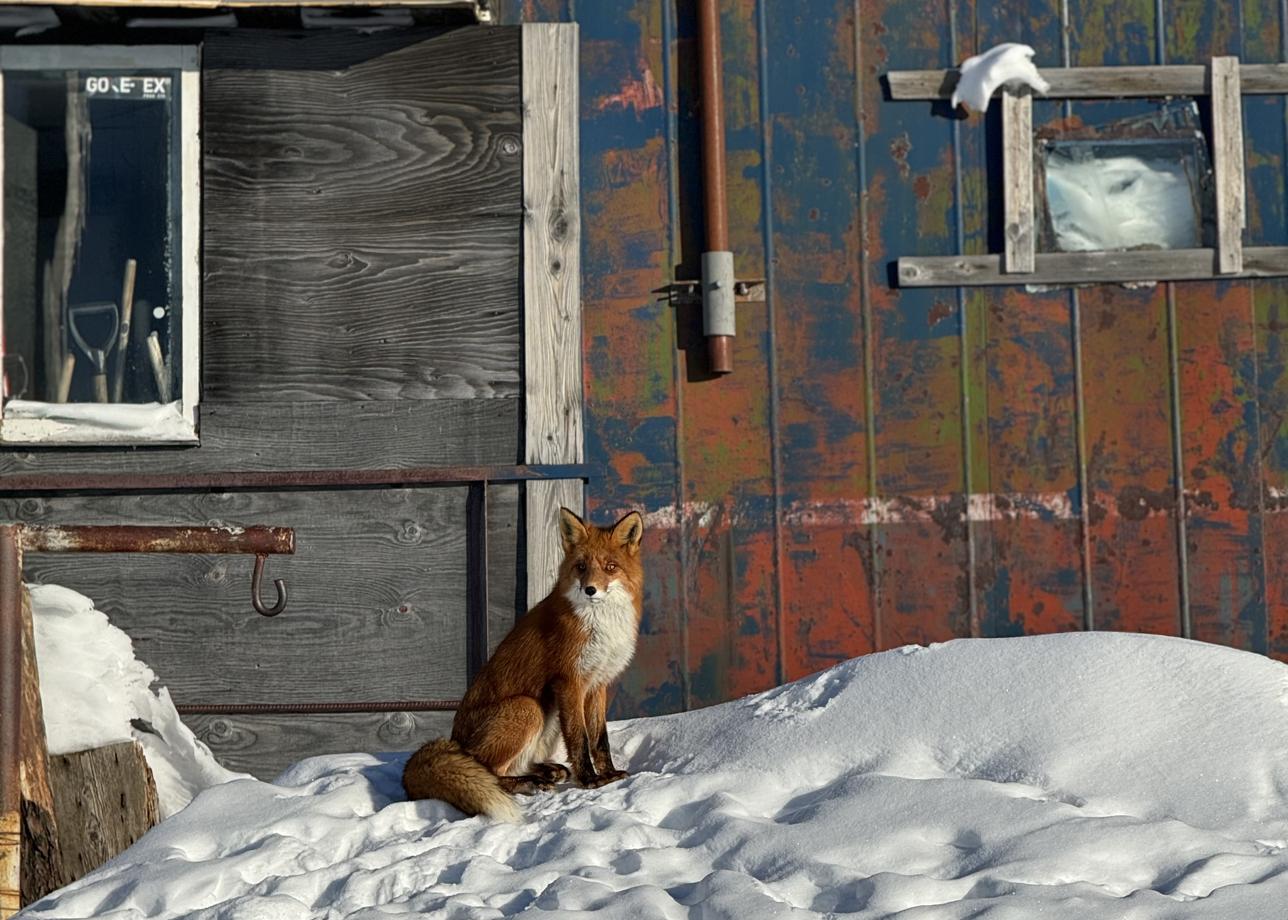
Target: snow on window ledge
<point>31,422</point>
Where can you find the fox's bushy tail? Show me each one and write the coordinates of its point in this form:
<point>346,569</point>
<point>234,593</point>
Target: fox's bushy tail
<point>442,770</point>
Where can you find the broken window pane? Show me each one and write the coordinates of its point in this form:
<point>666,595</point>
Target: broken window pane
<point>1138,183</point>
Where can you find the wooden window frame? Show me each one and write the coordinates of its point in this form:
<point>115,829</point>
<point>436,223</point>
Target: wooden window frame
<point>186,59</point>
<point>1224,79</point>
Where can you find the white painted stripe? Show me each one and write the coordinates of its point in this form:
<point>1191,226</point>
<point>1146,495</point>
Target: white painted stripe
<point>977,508</point>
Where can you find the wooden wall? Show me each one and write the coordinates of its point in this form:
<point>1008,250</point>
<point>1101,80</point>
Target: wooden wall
<point>361,309</point>
<point>887,466</point>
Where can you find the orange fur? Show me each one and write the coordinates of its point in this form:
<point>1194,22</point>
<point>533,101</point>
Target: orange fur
<point>548,680</point>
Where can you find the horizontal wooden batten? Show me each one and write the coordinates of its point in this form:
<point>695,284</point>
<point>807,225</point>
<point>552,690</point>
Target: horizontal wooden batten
<point>1103,82</point>
<point>247,480</point>
<point>266,744</point>
<point>1089,267</point>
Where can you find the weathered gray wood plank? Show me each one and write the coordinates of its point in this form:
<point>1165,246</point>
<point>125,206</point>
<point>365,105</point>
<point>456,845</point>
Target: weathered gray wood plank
<point>105,799</point>
<point>1102,82</point>
<point>42,862</point>
<point>1228,163</point>
<point>374,316</point>
<point>1089,267</point>
<point>503,559</point>
<point>552,286</point>
<point>377,602</point>
<point>371,434</point>
<point>362,216</point>
<point>265,745</point>
<point>1017,185</point>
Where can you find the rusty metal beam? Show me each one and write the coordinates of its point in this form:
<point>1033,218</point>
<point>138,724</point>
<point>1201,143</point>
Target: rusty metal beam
<point>256,541</point>
<point>251,480</point>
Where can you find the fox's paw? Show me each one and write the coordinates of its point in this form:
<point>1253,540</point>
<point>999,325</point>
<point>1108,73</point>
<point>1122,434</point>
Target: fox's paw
<point>604,779</point>
<point>551,772</point>
<point>528,784</point>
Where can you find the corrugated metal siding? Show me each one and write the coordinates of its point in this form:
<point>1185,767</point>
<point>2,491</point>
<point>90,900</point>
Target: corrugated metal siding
<point>889,466</point>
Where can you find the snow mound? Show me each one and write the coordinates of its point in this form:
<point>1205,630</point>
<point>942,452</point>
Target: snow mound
<point>92,688</point>
<point>1073,776</point>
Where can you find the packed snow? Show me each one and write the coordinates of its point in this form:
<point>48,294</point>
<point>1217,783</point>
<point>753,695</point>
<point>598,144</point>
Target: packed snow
<point>1008,64</point>
<point>32,422</point>
<point>94,692</point>
<point>1073,776</point>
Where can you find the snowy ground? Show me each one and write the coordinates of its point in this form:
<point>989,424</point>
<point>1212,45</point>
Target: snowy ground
<point>1076,776</point>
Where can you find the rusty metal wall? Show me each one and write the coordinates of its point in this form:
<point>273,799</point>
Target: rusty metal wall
<point>888,466</point>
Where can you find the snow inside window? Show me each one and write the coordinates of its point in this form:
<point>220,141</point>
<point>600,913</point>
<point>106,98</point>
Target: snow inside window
<point>99,245</point>
<point>1134,184</point>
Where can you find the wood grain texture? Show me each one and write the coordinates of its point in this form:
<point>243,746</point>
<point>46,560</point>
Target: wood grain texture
<point>362,215</point>
<point>374,434</point>
<point>106,798</point>
<point>1017,184</point>
<point>552,351</point>
<point>1228,164</point>
<point>42,865</point>
<point>1089,267</point>
<point>377,588</point>
<point>504,556</point>
<point>264,745</point>
<point>544,551</point>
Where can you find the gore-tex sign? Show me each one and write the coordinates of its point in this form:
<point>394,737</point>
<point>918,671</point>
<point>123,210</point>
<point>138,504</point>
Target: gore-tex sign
<point>127,87</point>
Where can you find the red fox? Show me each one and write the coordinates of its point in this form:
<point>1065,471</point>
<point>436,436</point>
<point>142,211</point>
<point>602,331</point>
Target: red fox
<point>546,680</point>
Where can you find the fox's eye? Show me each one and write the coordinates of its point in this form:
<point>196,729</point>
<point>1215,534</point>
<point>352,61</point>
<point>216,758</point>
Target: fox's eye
<point>581,566</point>
<point>610,566</point>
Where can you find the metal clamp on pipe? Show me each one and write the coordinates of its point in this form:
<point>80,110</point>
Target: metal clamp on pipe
<point>719,323</point>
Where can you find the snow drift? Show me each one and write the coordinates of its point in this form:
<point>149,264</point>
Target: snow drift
<point>92,689</point>
<point>1072,776</point>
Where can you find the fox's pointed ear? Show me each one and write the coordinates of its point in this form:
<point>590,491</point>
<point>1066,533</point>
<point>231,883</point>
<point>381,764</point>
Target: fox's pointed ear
<point>572,529</point>
<point>629,531</point>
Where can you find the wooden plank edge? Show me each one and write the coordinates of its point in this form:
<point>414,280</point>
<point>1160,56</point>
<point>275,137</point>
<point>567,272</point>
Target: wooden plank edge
<point>553,394</point>
<point>1101,82</point>
<point>1227,153</point>
<point>1067,268</point>
<point>1017,184</point>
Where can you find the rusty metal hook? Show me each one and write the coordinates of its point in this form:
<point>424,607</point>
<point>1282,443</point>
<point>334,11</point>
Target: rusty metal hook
<point>255,579</point>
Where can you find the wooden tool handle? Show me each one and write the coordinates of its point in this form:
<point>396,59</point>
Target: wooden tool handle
<point>123,339</point>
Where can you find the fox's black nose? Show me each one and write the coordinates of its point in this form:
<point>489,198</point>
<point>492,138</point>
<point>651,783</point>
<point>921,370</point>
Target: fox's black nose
<point>590,590</point>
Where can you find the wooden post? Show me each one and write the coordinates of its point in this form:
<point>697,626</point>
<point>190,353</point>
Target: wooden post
<point>1017,172</point>
<point>551,288</point>
<point>10,718</point>
<point>106,799</point>
<point>42,869</point>
<point>1227,151</point>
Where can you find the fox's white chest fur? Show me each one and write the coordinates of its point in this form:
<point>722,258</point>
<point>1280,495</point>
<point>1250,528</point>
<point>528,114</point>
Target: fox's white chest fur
<point>611,632</point>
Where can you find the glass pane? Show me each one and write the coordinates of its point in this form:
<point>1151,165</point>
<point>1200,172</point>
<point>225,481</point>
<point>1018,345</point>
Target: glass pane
<point>91,236</point>
<point>1137,183</point>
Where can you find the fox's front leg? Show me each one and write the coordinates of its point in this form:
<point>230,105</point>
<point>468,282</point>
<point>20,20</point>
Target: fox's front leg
<point>570,699</point>
<point>597,729</point>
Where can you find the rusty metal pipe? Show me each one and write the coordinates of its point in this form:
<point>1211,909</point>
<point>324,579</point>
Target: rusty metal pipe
<point>257,541</point>
<point>250,480</point>
<point>717,260</point>
<point>10,717</point>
